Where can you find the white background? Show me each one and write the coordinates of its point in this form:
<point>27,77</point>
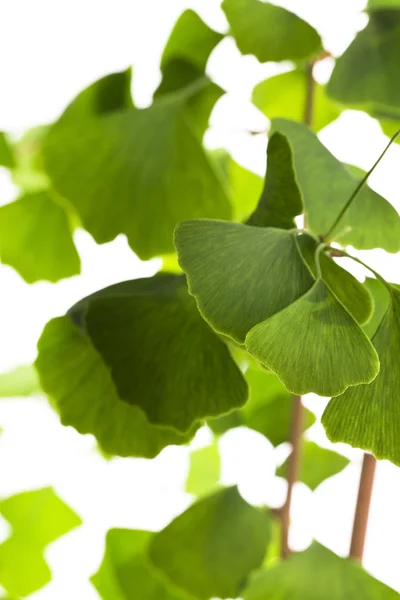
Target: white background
<point>49,51</point>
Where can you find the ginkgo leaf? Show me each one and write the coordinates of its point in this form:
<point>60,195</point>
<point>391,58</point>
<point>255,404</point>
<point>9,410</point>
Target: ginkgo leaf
<point>317,574</point>
<point>368,416</point>
<point>51,254</point>
<point>123,169</point>
<point>315,345</point>
<point>81,389</point>
<point>363,76</point>
<point>326,184</point>
<point>127,574</point>
<point>381,298</point>
<point>348,290</point>
<point>21,381</point>
<point>269,409</point>
<point>204,471</point>
<point>6,152</point>
<point>163,357</point>
<point>240,275</point>
<point>280,200</point>
<point>211,548</point>
<point>37,518</point>
<point>316,465</point>
<point>270,32</point>
<point>284,96</point>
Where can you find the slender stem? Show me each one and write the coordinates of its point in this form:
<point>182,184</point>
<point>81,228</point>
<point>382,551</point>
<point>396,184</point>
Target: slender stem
<point>362,508</point>
<point>359,187</point>
<point>310,95</point>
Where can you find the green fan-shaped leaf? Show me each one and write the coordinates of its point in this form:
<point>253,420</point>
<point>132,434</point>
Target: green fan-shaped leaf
<point>326,184</point>
<point>163,356</point>
<point>212,547</point>
<point>317,574</point>
<point>127,574</point>
<point>6,152</point>
<point>364,75</point>
<point>280,200</point>
<point>204,472</point>
<point>317,464</point>
<point>348,290</point>
<point>240,275</point>
<point>284,95</point>
<point>121,169</point>
<point>270,32</point>
<point>22,381</point>
<point>37,518</point>
<point>36,238</point>
<point>269,409</point>
<point>315,345</point>
<point>368,417</point>
<point>80,386</point>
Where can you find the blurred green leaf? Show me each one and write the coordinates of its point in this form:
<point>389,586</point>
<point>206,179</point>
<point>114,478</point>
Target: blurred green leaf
<point>240,275</point>
<point>382,4</point>
<point>163,356</point>
<point>269,409</point>
<point>80,387</point>
<point>127,574</point>
<point>316,465</point>
<point>270,32</point>
<point>364,75</point>
<point>317,574</point>
<point>326,184</point>
<point>212,547</point>
<point>204,471</point>
<point>284,96</point>
<point>6,152</point>
<point>36,238</point>
<point>22,381</point>
<point>28,171</point>
<point>122,169</point>
<point>280,200</point>
<point>37,518</point>
<point>314,345</point>
<point>368,417</point>
<point>348,290</point>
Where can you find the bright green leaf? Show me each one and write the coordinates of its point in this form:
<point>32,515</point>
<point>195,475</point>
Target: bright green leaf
<point>280,200</point>
<point>240,275</point>
<point>80,386</point>
<point>270,32</point>
<point>284,95</point>
<point>315,345</point>
<point>212,547</point>
<point>317,574</point>
<point>204,472</point>
<point>383,4</point>
<point>28,172</point>
<point>348,290</point>
<point>316,465</point>
<point>36,238</point>
<point>163,356</point>
<point>37,518</point>
<point>22,381</point>
<point>326,185</point>
<point>6,152</point>
<point>368,416</point>
<point>365,75</point>
<point>127,574</point>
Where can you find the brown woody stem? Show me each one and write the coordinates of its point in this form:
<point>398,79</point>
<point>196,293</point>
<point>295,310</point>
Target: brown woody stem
<point>362,508</point>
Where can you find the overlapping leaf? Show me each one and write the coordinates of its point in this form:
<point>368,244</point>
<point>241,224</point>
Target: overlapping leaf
<point>315,574</point>
<point>21,381</point>
<point>315,345</point>
<point>37,518</point>
<point>36,238</point>
<point>270,32</point>
<point>204,471</point>
<point>316,465</point>
<point>127,574</point>
<point>80,387</point>
<point>368,416</point>
<point>239,274</point>
<point>211,549</point>
<point>280,201</point>
<point>326,184</point>
<point>284,96</point>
